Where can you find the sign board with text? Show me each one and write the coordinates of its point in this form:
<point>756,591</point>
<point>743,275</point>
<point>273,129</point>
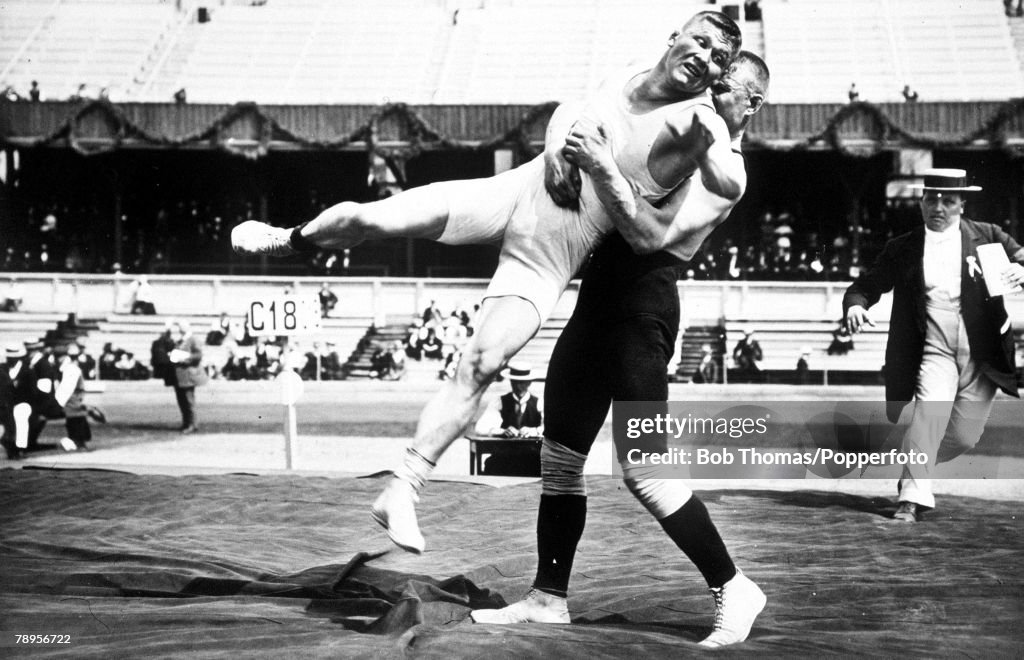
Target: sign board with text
<point>285,315</point>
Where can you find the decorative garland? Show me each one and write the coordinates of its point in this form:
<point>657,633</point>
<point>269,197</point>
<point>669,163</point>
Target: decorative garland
<point>421,134</point>
<point>884,129</point>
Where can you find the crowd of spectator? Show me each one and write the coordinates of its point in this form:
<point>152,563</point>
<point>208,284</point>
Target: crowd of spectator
<point>435,336</point>
<point>182,236</point>
<point>781,244</point>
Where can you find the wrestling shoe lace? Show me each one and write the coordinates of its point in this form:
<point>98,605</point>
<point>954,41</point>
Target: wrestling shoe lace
<point>737,604</point>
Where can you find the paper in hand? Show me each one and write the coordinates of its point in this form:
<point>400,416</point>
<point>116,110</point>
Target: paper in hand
<point>993,263</point>
<point>178,355</point>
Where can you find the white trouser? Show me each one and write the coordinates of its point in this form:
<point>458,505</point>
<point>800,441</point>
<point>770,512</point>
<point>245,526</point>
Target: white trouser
<point>952,402</point>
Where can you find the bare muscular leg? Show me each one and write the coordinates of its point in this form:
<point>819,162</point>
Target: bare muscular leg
<point>506,324</point>
<point>415,213</point>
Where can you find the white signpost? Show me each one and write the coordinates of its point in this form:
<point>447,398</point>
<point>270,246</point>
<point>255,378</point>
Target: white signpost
<point>288,316</point>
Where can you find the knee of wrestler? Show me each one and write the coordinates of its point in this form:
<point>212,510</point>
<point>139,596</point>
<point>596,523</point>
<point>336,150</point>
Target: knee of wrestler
<point>480,365</point>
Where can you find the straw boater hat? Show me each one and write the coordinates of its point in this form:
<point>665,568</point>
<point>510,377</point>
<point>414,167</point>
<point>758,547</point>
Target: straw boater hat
<point>13,351</point>
<point>518,371</point>
<point>945,180</point>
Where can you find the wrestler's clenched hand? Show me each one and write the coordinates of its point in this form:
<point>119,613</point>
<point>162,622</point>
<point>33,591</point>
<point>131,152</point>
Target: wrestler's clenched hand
<point>587,146</point>
<point>561,179</point>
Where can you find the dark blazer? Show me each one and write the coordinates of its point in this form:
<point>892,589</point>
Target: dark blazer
<point>900,269</point>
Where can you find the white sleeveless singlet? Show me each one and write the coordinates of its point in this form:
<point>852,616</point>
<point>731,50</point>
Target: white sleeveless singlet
<point>543,245</point>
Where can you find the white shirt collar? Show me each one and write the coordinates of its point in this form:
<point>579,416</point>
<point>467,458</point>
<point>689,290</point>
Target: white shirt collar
<point>950,233</point>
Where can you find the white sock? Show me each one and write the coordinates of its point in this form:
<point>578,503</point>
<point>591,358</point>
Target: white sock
<point>415,469</point>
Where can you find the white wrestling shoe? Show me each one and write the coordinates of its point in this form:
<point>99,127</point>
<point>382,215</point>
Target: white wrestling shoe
<point>259,238</point>
<point>395,511</point>
<point>737,604</point>
<point>537,607</point>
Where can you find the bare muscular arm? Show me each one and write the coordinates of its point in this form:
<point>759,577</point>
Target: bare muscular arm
<point>689,213</point>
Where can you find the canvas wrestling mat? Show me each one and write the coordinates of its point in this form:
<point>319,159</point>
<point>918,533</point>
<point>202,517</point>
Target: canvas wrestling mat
<point>240,565</point>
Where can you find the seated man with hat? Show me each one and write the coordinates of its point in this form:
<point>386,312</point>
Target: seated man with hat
<point>950,344</point>
<point>515,414</point>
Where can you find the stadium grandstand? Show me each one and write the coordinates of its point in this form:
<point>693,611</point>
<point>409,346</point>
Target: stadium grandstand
<point>159,504</point>
<point>137,133</point>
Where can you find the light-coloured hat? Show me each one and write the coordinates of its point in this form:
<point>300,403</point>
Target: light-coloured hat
<point>13,351</point>
<point>518,371</point>
<point>945,180</point>
<point>806,350</point>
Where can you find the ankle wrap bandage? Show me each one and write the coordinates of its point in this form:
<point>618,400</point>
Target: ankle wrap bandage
<point>300,243</point>
<point>415,469</point>
<point>662,497</point>
<point>561,470</point>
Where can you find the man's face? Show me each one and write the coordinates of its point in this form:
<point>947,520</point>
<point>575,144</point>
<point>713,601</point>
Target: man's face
<point>697,56</point>
<point>941,209</point>
<point>733,99</point>
<point>521,387</point>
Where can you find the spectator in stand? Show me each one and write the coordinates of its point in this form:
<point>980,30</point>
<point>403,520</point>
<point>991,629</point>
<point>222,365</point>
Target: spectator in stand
<point>842,340</point>
<point>108,358</point>
<point>70,395</point>
<point>86,362</point>
<point>187,357</point>
<point>332,363</point>
<point>453,332</point>
<point>752,10</point>
<point>853,94</point>
<point>142,296</point>
<point>328,300</point>
<point>707,370</point>
<point>909,95</point>
<point>264,359</point>
<point>13,298</point>
<point>432,315</point>
<point>33,92</point>
<point>747,354</point>
<point>125,366</point>
<point>414,340</point>
<point>432,346</point>
<point>803,367</point>
<point>219,330</point>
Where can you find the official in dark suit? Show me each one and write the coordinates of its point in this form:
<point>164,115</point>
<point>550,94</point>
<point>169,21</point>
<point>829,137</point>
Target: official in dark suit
<point>516,414</point>
<point>950,343</point>
<point>186,358</point>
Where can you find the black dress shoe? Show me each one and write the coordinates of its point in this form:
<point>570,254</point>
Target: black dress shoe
<point>906,512</point>
<point>189,430</point>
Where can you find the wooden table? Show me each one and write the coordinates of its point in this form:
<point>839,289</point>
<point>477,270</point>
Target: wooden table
<point>479,445</point>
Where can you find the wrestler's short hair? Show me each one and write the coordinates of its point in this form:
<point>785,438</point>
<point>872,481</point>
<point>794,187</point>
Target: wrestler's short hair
<point>756,69</point>
<point>731,33</point>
